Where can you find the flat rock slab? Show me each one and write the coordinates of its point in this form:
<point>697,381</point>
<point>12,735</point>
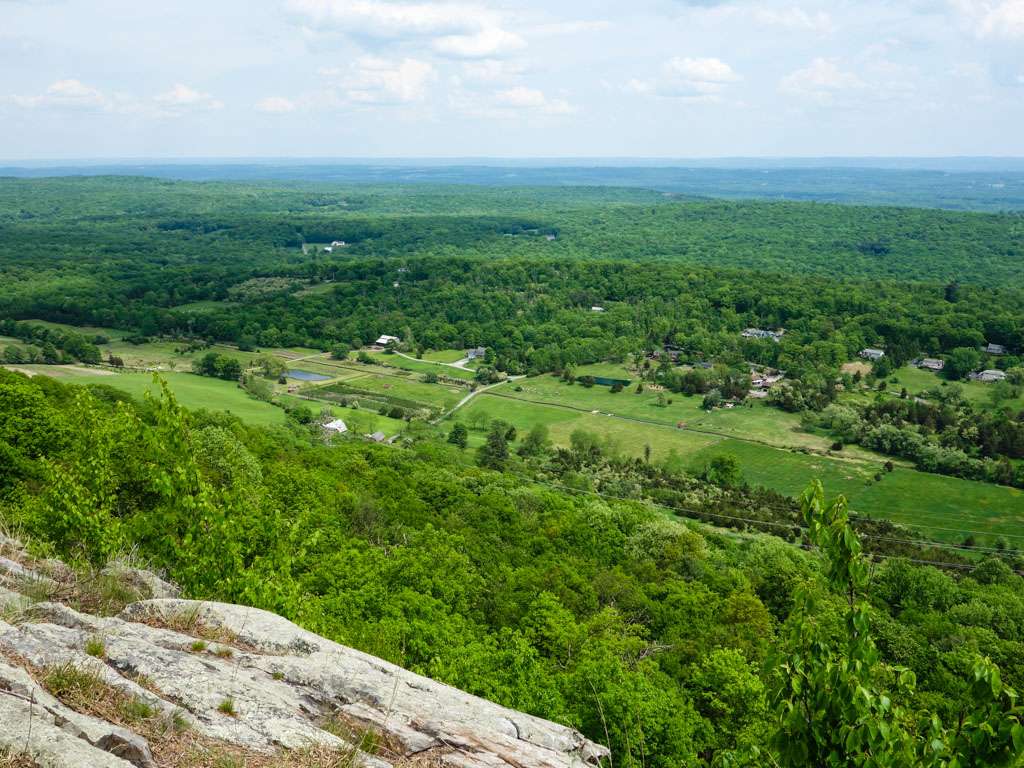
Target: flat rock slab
<point>281,681</point>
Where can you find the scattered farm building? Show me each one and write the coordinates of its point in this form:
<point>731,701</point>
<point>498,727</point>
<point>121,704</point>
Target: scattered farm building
<point>761,333</point>
<point>673,353</point>
<point>988,375</point>
<point>762,381</point>
<point>596,308</point>
<point>931,364</point>
<point>377,437</point>
<point>995,349</point>
<point>872,354</point>
<point>336,427</point>
<point>477,353</point>
<point>338,244</point>
<point>384,340</point>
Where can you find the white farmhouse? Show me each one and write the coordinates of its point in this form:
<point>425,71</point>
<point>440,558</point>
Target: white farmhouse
<point>336,427</point>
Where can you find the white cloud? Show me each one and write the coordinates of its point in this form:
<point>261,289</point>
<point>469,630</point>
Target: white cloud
<point>66,94</point>
<point>76,95</point>
<point>820,81</point>
<point>993,19</point>
<point>523,98</point>
<point>182,98</point>
<point>700,79</point>
<point>450,29</point>
<point>795,18</point>
<point>570,27</point>
<point>276,105</point>
<point>373,80</point>
<point>489,71</point>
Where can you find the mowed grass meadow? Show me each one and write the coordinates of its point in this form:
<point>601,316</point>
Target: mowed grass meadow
<point>945,508</point>
<point>420,366</point>
<point>193,392</point>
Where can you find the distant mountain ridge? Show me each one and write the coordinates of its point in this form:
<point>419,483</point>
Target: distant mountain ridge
<point>972,184</point>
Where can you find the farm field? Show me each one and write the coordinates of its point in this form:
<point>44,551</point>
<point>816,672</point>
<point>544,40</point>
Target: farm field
<point>7,341</point>
<point>192,391</point>
<point>421,366</point>
<point>429,395</point>
<point>904,495</point>
<point>359,422</point>
<point>444,355</point>
<point>918,381</point>
<point>937,502</point>
<point>751,421</point>
<point>611,370</point>
<point>85,330</point>
<point>161,354</point>
<point>629,437</point>
<point>209,305</point>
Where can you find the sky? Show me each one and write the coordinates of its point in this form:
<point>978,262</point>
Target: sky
<point>493,78</point>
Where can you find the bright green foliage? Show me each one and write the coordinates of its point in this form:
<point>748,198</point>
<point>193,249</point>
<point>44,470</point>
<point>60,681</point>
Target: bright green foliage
<point>80,510</point>
<point>835,700</point>
<point>494,453</point>
<point>459,435</point>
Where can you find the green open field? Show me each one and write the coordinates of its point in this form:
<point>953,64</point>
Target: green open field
<point>444,355</point>
<point>937,502</point>
<point>930,502</point>
<point>753,420</point>
<point>359,422</point>
<point>629,437</point>
<point>609,370</point>
<point>161,354</point>
<point>209,305</point>
<point>918,381</point>
<point>110,333</point>
<point>7,341</point>
<point>429,395</point>
<point>421,366</point>
<point>191,391</point>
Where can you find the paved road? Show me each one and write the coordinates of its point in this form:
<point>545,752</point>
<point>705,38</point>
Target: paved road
<point>471,395</point>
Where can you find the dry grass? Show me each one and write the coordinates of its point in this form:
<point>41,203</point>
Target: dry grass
<point>88,589</point>
<point>190,622</point>
<point>9,759</point>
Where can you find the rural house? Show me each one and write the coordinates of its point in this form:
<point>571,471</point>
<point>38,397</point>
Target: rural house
<point>872,354</point>
<point>477,353</point>
<point>596,308</point>
<point>995,349</point>
<point>761,333</point>
<point>384,340</point>
<point>988,375</point>
<point>336,427</point>
<point>377,437</point>
<point>931,364</point>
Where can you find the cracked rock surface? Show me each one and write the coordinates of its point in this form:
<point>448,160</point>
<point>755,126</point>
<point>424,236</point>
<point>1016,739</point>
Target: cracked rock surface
<point>282,683</point>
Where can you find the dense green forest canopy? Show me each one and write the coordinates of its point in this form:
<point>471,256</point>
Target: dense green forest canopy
<point>468,262</point>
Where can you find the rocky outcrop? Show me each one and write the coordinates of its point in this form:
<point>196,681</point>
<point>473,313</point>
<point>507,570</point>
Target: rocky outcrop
<point>247,679</point>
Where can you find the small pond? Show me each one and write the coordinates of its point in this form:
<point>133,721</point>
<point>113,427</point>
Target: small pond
<point>307,376</point>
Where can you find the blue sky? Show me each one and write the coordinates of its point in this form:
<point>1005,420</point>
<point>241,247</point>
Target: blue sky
<point>647,78</point>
